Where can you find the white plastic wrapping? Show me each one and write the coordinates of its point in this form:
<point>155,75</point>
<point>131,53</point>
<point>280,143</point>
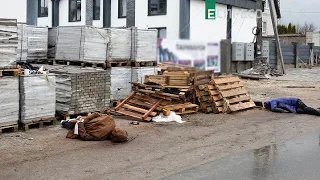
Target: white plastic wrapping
<point>8,42</point>
<point>145,45</point>
<point>120,44</point>
<point>82,43</point>
<point>37,42</point>
<point>37,97</point>
<point>22,50</point>
<point>9,100</point>
<point>120,82</point>
<point>138,73</point>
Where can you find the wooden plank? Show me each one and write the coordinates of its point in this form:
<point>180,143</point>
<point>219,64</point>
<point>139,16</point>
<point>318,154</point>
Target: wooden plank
<point>226,80</point>
<point>241,106</point>
<point>145,116</point>
<point>137,109</point>
<point>217,98</point>
<point>139,103</point>
<point>230,86</point>
<point>211,87</point>
<point>132,114</point>
<point>219,103</point>
<point>203,87</point>
<point>233,92</point>
<point>124,101</point>
<point>159,93</point>
<point>214,92</point>
<point>239,99</point>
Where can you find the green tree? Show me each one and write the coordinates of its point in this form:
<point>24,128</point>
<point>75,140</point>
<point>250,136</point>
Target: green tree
<point>294,29</point>
<point>289,31</point>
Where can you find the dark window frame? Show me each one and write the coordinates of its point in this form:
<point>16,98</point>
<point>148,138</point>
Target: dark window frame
<point>95,10</point>
<point>159,28</point>
<point>120,5</point>
<point>157,14</point>
<point>70,19</point>
<point>43,14</point>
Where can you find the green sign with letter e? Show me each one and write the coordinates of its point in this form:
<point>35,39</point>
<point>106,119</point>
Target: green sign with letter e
<point>210,9</point>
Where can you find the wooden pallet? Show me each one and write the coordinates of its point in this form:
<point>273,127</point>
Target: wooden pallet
<point>138,106</point>
<point>144,64</point>
<point>80,63</point>
<point>121,63</point>
<point>213,98</point>
<point>187,108</point>
<point>9,128</point>
<point>169,79</point>
<point>10,72</point>
<point>235,96</point>
<point>38,123</point>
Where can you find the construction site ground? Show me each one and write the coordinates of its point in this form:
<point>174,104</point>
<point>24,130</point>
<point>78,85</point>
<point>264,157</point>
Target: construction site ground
<point>158,150</point>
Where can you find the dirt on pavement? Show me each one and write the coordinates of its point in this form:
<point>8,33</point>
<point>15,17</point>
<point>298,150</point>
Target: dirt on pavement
<point>157,150</point>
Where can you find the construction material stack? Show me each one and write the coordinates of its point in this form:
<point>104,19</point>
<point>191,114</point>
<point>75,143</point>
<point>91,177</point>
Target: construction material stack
<point>37,43</point>
<point>8,42</point>
<point>81,90</point>
<point>37,99</point>
<point>22,50</point>
<point>9,103</point>
<point>81,45</point>
<point>52,43</point>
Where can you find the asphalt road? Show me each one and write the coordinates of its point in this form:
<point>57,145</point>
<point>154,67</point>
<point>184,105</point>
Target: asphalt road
<point>297,159</point>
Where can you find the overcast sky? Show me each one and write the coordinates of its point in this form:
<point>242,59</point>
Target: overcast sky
<point>300,11</point>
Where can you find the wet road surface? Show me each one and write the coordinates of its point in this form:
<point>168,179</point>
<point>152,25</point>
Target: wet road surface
<point>298,159</point>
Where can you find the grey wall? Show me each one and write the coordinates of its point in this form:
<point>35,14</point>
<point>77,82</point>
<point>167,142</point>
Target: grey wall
<point>32,12</point>
<point>184,20</point>
<point>131,13</point>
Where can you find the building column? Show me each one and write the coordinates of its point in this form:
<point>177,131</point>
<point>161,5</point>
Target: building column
<point>106,13</point>
<point>184,21</point>
<point>32,12</point>
<point>131,13</point>
<point>55,13</point>
<point>89,12</point>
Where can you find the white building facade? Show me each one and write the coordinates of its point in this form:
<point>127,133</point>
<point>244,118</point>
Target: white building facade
<point>175,19</point>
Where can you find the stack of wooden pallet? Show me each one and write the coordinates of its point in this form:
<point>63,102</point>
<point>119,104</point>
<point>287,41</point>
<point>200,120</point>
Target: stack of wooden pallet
<point>233,93</point>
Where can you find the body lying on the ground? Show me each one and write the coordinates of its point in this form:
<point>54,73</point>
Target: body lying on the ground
<point>290,104</point>
<point>95,127</point>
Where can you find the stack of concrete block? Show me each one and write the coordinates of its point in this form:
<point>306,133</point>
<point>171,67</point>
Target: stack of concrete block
<point>37,43</point>
<point>138,73</point>
<point>144,45</point>
<point>22,50</point>
<point>120,82</point>
<point>37,97</point>
<point>52,42</point>
<point>8,42</point>
<point>82,43</point>
<point>9,101</point>
<point>119,47</point>
<point>82,90</point>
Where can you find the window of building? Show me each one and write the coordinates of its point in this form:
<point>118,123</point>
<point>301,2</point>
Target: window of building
<point>162,32</point>
<point>96,9</point>
<point>157,7</point>
<point>43,8</point>
<point>264,27</point>
<point>74,10</point>
<point>122,8</point>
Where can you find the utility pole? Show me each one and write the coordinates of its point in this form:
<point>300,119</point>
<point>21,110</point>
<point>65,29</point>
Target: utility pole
<point>260,8</point>
<point>276,34</point>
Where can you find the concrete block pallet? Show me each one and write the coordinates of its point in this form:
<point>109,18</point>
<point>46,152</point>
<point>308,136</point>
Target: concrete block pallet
<point>9,102</point>
<point>8,42</point>
<point>81,90</point>
<point>37,98</point>
<point>37,43</point>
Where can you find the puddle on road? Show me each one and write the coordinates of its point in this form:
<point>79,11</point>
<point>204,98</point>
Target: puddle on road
<point>295,159</point>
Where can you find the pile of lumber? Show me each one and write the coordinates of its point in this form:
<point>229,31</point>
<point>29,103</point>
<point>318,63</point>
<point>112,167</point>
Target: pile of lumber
<point>184,90</point>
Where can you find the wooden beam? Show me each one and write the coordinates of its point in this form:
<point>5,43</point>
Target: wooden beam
<point>145,116</point>
<point>124,101</point>
<point>137,109</point>
<point>225,80</point>
<point>233,92</point>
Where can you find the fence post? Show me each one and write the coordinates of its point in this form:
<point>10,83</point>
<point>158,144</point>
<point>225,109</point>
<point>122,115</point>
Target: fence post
<point>296,54</point>
<point>225,50</point>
